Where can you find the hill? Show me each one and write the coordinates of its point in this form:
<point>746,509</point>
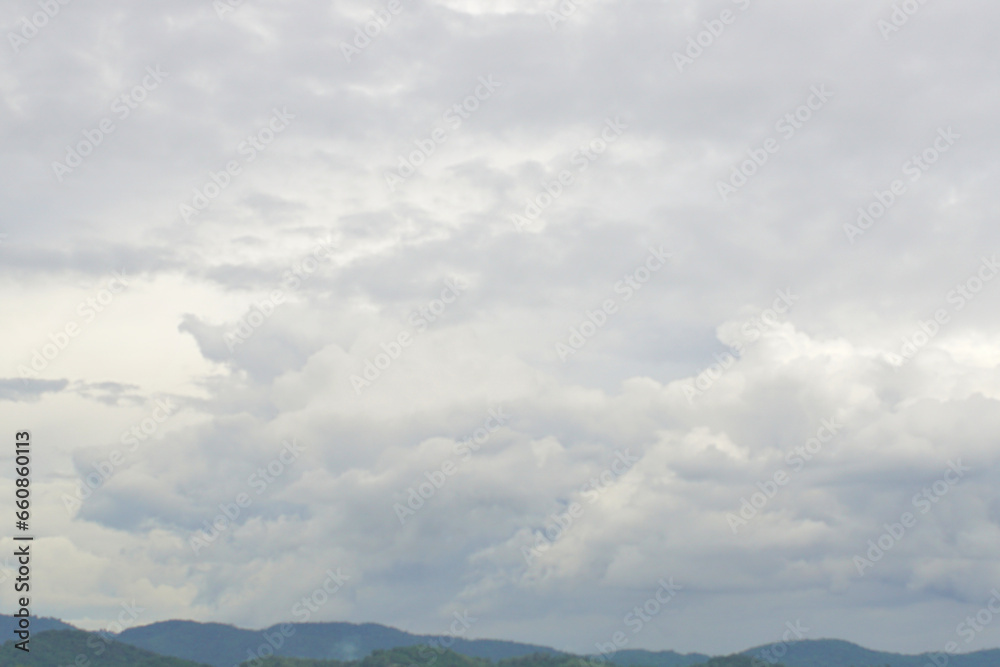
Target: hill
<point>739,660</point>
<point>642,658</point>
<point>56,648</point>
<point>39,624</point>
<point>426,656</point>
<point>373,645</point>
<point>415,657</point>
<point>838,653</point>
<point>222,645</point>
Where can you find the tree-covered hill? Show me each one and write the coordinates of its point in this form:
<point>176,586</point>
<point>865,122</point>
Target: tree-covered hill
<point>738,661</point>
<point>643,658</point>
<point>175,643</point>
<point>423,656</point>
<point>838,653</point>
<point>57,648</point>
<point>224,645</point>
<point>427,656</point>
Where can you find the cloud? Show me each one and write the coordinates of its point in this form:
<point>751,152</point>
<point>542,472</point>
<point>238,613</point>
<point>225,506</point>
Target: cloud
<point>701,373</point>
<point>13,389</point>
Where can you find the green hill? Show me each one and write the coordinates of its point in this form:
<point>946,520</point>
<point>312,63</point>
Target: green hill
<point>426,656</point>
<point>418,657</point>
<point>187,643</point>
<point>642,658</point>
<point>293,662</point>
<point>56,648</point>
<point>838,653</point>
<point>738,660</point>
<point>224,645</point>
<point>812,653</point>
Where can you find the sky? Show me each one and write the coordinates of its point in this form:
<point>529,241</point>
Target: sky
<point>674,322</point>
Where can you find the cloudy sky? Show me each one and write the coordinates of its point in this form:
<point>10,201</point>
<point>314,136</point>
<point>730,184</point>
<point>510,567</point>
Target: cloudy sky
<point>518,308</point>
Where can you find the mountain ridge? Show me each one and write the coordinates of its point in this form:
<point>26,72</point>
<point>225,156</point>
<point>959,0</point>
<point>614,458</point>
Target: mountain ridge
<point>225,645</point>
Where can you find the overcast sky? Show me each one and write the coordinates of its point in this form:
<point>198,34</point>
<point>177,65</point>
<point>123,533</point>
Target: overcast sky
<point>616,244</point>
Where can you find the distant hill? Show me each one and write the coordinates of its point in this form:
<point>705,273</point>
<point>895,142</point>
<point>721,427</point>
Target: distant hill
<point>641,658</point>
<point>809,653</point>
<point>548,660</point>
<point>739,660</point>
<point>413,657</point>
<point>425,656</point>
<point>56,648</point>
<point>39,624</point>
<point>838,653</point>
<point>224,645</point>
<point>373,645</point>
<point>293,662</point>
<point>212,643</point>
